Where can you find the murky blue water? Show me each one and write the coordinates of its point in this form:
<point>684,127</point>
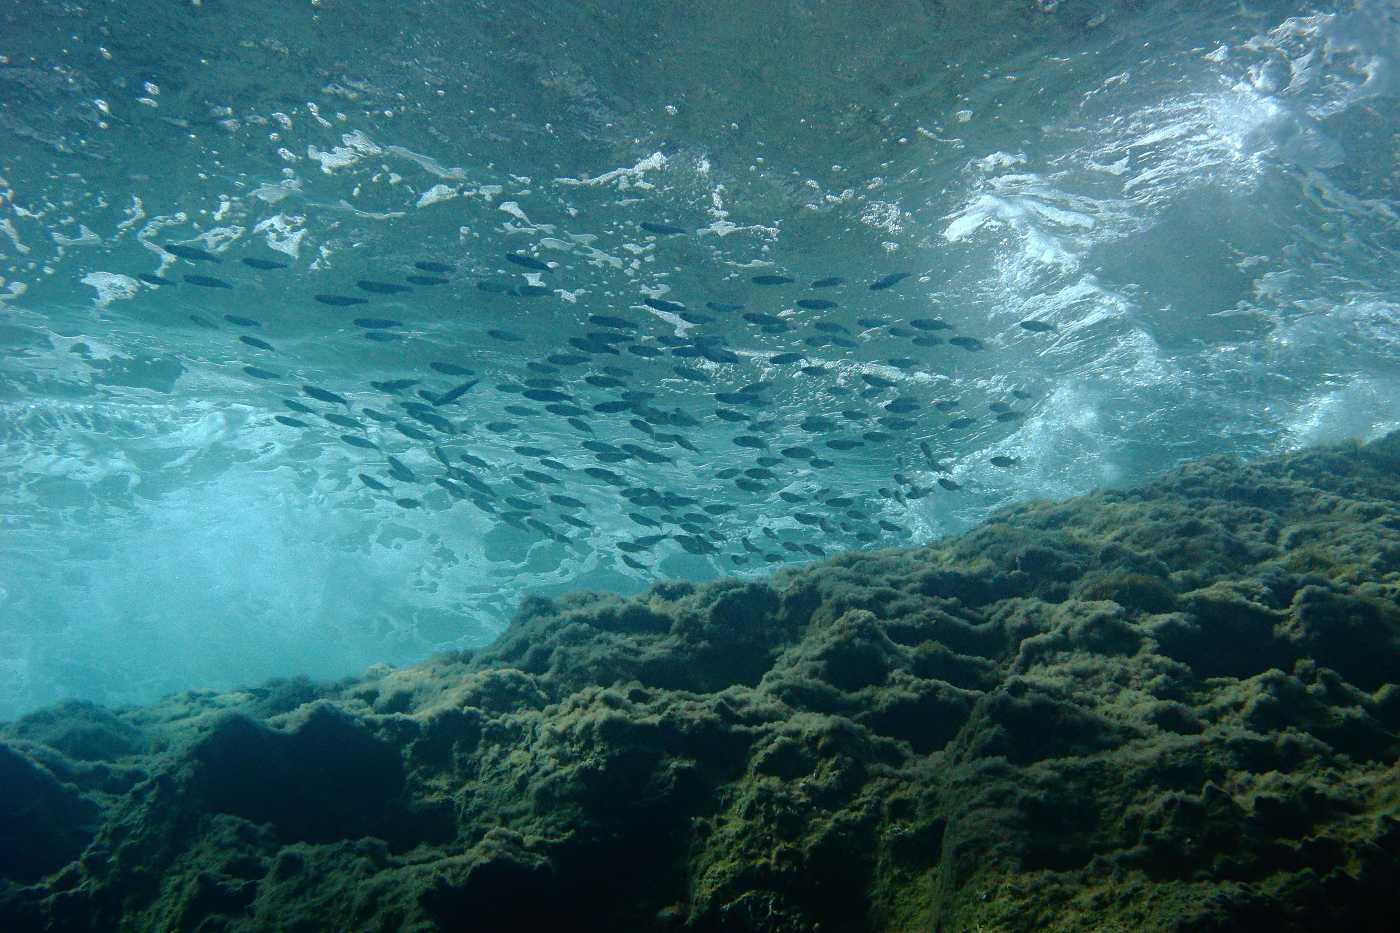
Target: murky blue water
<point>1134,234</point>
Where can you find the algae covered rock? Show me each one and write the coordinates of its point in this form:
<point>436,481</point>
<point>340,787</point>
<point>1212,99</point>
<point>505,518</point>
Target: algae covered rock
<point>1169,708</point>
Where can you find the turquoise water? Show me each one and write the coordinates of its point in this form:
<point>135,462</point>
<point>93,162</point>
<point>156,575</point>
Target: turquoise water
<point>1130,235</point>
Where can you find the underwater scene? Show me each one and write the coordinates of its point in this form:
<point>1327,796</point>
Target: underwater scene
<point>740,465</point>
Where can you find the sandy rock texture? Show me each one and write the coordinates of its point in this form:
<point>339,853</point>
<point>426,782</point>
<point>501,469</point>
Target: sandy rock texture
<point>1169,708</point>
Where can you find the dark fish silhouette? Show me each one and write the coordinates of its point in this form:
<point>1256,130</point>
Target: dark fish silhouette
<point>925,323</point>
<point>425,265</point>
<point>1004,462</point>
<point>263,263</point>
<point>355,441</point>
<point>255,342</point>
<point>425,280</point>
<point>661,304</point>
<point>290,421</point>
<point>829,282</point>
<point>530,291</point>
<point>527,262</point>
<point>967,343</point>
<point>373,483</point>
<point>887,281</point>
<point>769,279</point>
<point>207,281</point>
<point>259,373</point>
<point>321,395</point>
<point>453,394</point>
<point>1037,327</point>
<point>152,279</point>
<point>815,304</point>
<point>395,385</point>
<point>241,321</point>
<point>661,229</point>
<point>340,301</point>
<point>342,420</point>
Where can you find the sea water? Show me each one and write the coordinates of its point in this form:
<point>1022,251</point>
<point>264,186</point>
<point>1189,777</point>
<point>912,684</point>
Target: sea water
<point>729,286</point>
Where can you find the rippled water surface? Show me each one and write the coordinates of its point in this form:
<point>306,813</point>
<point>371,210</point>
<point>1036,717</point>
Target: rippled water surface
<point>330,330</point>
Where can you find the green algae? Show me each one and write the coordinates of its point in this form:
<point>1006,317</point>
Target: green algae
<point>1168,708</point>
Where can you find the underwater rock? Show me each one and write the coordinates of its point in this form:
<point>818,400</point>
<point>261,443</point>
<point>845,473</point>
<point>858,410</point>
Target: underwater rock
<point>1175,707</point>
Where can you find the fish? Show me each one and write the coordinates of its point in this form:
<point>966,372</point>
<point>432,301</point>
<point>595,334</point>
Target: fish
<point>340,301</point>
<point>255,342</point>
<point>661,304</point>
<point>399,471</point>
<point>750,441</point>
<point>841,443</point>
<point>959,423</point>
<point>815,304</point>
<point>527,262</point>
<point>784,359</point>
<point>661,229</point>
<point>381,288</point>
<point>830,281</point>
<point>298,406</point>
<point>967,343</point>
<point>531,291</point>
<point>264,264</point>
<point>151,278</point>
<point>451,395</point>
<point>451,487</point>
<point>342,420</point>
<point>877,382</point>
<point>394,385</point>
<point>926,323</point>
<point>373,483</point>
<point>356,441</point>
<point>192,253</point>
<point>408,430</point>
<point>426,265</point>
<point>376,323</point>
<point>259,373</point>
<point>644,351</point>
<point>207,281</point>
<point>888,281</point>
<point>687,372</point>
<point>769,279</point>
<point>321,395</point>
<point>949,484</point>
<point>1037,327</point>
<point>425,280</point>
<point>290,421</point>
<point>1004,462</point>
<point>902,405</point>
<point>407,503</point>
<point>241,321</point>
<point>609,320</point>
<point>1010,416</point>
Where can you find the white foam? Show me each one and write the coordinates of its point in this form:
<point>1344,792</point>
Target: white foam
<point>111,286</point>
